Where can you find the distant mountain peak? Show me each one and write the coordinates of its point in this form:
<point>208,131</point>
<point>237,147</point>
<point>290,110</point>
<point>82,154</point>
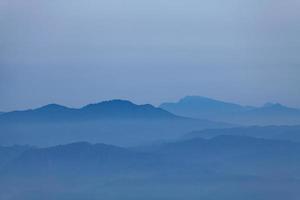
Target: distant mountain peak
<point>201,101</point>
<point>206,108</point>
<point>194,98</point>
<point>110,103</point>
<point>117,102</point>
<point>199,106</point>
<point>122,108</point>
<point>52,107</point>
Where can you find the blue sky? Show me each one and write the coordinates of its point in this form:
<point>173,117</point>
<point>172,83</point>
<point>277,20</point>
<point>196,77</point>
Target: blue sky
<point>77,52</point>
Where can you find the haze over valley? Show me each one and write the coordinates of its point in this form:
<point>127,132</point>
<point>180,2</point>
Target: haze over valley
<point>149,100</point>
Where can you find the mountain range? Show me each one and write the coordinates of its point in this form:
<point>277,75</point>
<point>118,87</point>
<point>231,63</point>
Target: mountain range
<point>116,122</point>
<point>119,150</point>
<point>114,109</point>
<point>223,167</point>
<point>207,108</point>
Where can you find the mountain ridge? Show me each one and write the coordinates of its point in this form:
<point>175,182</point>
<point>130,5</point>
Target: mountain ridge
<point>107,109</point>
<point>207,108</point>
<point>118,122</point>
<point>291,133</point>
<point>221,164</point>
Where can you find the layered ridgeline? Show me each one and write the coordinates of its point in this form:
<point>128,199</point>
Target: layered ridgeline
<point>114,122</point>
<point>291,133</point>
<point>206,108</point>
<point>224,167</point>
<point>114,109</point>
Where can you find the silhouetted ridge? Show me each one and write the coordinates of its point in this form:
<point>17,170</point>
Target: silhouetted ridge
<point>206,108</point>
<point>123,108</point>
<point>118,122</point>
<point>111,104</point>
<point>107,109</point>
<point>201,107</point>
<point>204,102</point>
<point>52,108</point>
<point>275,108</point>
<point>200,99</point>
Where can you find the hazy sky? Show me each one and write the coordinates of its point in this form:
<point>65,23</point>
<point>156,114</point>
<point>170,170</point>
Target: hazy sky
<point>75,52</point>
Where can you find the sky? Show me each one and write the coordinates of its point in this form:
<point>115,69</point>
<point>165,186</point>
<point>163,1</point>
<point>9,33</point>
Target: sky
<point>85,51</point>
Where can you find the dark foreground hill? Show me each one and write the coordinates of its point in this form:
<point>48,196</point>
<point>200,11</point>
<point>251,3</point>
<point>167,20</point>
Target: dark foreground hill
<point>206,108</point>
<point>224,167</point>
<point>114,122</point>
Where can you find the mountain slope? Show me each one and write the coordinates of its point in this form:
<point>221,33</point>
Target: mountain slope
<point>8,154</point>
<point>231,167</point>
<point>69,159</point>
<point>104,110</point>
<point>201,107</point>
<point>206,108</point>
<point>198,154</point>
<point>291,133</point>
<point>116,122</point>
